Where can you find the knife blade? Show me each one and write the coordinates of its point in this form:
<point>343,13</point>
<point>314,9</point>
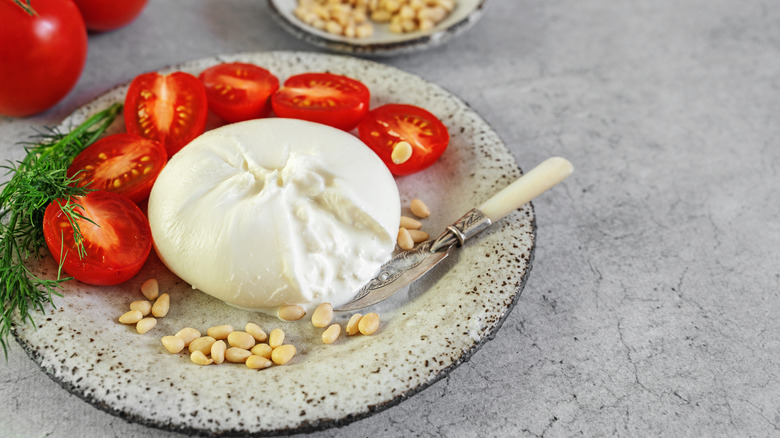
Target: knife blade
<point>408,266</point>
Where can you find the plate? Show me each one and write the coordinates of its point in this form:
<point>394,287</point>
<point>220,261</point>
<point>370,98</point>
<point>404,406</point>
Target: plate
<point>426,331</point>
<point>382,42</point>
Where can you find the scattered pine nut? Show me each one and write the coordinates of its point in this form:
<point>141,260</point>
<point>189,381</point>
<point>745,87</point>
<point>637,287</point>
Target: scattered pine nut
<point>256,332</point>
<point>419,208</point>
<point>145,325</point>
<point>241,340</point>
<point>332,333</point>
<point>262,350</point>
<point>276,338</point>
<point>352,325</point>
<point>161,306</point>
<point>369,324</point>
<point>404,239</point>
<point>143,306</point>
<point>410,224</point>
<point>291,312</point>
<point>237,355</point>
<point>220,331</point>
<point>203,344</point>
<point>188,335</point>
<point>282,354</point>
<point>418,236</point>
<point>131,317</point>
<point>218,351</point>
<point>173,344</point>
<point>200,358</point>
<point>401,153</point>
<point>322,315</point>
<point>258,362</point>
<point>151,289</point>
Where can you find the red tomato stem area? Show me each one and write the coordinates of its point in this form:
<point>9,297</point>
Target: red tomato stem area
<point>116,237</point>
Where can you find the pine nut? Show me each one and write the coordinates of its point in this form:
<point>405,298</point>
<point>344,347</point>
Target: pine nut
<point>262,350</point>
<point>200,358</point>
<point>276,338</point>
<point>258,362</point>
<point>131,317</point>
<point>409,223</point>
<point>220,331</point>
<point>291,312</point>
<point>352,325</point>
<point>402,151</point>
<point>256,332</point>
<point>142,306</point>
<point>404,240</point>
<point>218,351</point>
<point>173,344</point>
<point>419,208</point>
<point>332,333</point>
<point>145,325</point>
<point>322,315</point>
<point>241,340</point>
<point>151,289</point>
<point>418,236</point>
<point>188,335</point>
<point>237,355</point>
<point>203,344</point>
<point>161,306</point>
<point>369,324</point>
<point>282,354</point>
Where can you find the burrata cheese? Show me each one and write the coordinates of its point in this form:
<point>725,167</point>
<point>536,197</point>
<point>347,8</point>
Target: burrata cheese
<point>275,211</point>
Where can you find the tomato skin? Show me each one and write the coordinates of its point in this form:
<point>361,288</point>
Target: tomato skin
<point>116,248</point>
<point>239,91</point>
<point>334,100</point>
<point>389,124</point>
<point>41,57</point>
<point>171,109</point>
<point>105,15</point>
<point>127,164</point>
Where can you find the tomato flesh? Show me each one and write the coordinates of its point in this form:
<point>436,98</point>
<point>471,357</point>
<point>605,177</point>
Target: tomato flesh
<point>325,98</point>
<point>384,127</point>
<point>239,91</point>
<point>171,109</point>
<point>117,244</point>
<point>127,164</point>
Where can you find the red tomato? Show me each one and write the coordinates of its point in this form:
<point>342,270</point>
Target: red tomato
<point>117,243</point>
<point>384,127</point>
<point>103,15</point>
<point>325,98</point>
<point>41,56</point>
<point>171,109</point>
<point>237,91</point>
<point>126,164</point>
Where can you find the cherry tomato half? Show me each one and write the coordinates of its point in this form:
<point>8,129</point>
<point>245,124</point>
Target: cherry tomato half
<point>41,55</point>
<point>238,91</point>
<point>171,109</point>
<point>384,127</point>
<point>117,243</point>
<point>126,164</point>
<point>325,98</point>
<point>103,15</point>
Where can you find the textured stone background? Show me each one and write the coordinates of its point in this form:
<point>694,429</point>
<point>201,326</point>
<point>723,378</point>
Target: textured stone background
<point>651,308</point>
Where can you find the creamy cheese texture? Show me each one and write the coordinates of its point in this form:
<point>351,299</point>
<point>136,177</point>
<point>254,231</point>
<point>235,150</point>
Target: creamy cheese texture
<point>275,211</point>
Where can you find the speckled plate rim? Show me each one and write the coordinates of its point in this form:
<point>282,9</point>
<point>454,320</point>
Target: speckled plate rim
<point>321,424</point>
<point>390,47</point>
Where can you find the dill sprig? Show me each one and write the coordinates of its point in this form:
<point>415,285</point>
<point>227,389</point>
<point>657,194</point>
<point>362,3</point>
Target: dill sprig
<point>37,180</point>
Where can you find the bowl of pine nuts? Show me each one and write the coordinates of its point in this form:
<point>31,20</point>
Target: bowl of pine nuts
<point>376,27</point>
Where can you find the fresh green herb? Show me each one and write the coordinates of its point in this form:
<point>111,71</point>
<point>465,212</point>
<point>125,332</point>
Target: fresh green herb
<point>37,180</point>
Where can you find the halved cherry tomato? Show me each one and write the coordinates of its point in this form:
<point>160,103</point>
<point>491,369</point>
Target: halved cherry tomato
<point>117,243</point>
<point>325,98</point>
<point>126,164</point>
<point>238,91</point>
<point>384,127</point>
<point>171,109</point>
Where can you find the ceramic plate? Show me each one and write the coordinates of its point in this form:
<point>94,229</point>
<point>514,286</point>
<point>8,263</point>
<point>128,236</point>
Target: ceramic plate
<point>425,331</point>
<point>382,42</point>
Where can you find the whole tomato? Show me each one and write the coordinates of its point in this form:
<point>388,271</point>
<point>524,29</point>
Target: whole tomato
<point>42,54</point>
<point>104,15</point>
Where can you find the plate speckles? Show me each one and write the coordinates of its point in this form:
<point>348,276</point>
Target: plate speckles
<point>437,324</point>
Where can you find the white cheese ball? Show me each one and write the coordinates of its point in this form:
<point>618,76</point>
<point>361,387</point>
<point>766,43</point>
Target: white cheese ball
<point>275,211</point>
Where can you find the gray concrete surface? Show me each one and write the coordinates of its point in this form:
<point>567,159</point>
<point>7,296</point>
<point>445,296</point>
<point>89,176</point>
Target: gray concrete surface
<point>652,306</point>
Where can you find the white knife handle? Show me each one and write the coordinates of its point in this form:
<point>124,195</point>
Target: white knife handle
<point>532,184</point>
